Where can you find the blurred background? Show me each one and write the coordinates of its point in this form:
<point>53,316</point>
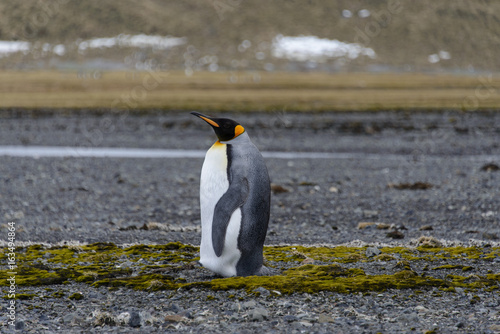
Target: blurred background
<point>259,48</point>
<point>220,35</point>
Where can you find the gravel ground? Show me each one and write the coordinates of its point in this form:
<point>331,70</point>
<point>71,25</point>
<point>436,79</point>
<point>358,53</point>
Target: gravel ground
<point>316,201</point>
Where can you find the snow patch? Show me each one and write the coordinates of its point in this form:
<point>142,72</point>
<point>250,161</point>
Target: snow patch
<point>436,57</point>
<point>138,41</point>
<point>312,48</point>
<point>8,47</point>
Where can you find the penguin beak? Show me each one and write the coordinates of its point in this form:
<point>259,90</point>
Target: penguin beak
<point>206,118</point>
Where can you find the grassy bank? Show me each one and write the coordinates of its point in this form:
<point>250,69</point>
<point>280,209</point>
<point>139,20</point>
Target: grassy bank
<point>248,91</point>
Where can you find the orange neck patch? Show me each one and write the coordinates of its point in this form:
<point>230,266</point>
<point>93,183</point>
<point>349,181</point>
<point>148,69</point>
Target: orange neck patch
<point>238,130</point>
<point>218,143</point>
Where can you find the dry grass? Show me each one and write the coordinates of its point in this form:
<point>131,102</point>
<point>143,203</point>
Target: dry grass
<point>250,91</point>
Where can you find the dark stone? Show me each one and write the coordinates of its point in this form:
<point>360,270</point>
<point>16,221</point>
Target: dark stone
<point>135,319</point>
<point>395,235</point>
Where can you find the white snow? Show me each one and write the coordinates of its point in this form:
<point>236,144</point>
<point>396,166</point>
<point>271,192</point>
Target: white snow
<point>433,58</point>
<point>8,47</point>
<point>444,55</point>
<point>312,48</point>
<point>346,13</point>
<point>436,57</point>
<point>364,13</point>
<point>138,41</point>
<point>59,50</point>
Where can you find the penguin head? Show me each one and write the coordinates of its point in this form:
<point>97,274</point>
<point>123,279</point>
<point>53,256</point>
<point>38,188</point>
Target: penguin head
<point>225,128</point>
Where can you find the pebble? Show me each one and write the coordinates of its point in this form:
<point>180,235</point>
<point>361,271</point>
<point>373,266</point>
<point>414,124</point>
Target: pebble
<point>395,235</point>
<point>372,251</point>
<point>123,318</point>
<point>263,291</point>
<point>290,318</point>
<point>175,318</point>
<point>323,318</point>
<point>19,325</point>
<point>249,304</point>
<point>259,314</point>
<point>134,320</point>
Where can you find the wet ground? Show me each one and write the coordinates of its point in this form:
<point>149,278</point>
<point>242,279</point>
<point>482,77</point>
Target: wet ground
<point>322,200</point>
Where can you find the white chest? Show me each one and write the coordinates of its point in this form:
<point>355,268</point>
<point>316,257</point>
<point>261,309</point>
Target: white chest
<point>214,183</point>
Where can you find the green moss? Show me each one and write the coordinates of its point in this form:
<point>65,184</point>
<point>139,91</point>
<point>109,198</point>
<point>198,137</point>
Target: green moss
<point>453,266</point>
<point>339,254</point>
<point>76,296</point>
<point>384,257</point>
<point>58,294</point>
<point>151,282</point>
<point>101,264</point>
<point>22,296</point>
<point>475,299</point>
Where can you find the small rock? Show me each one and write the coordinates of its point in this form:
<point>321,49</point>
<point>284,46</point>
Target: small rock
<point>68,318</point>
<point>488,214</point>
<point>306,323</point>
<point>135,319</point>
<point>491,167</point>
<point>363,225</point>
<point>410,186</point>
<point>290,318</point>
<point>383,226</point>
<point>175,318</point>
<point>426,228</point>
<point>421,309</point>
<point>236,307</point>
<point>123,318</point>
<point>372,251</point>
<point>259,314</point>
<point>334,190</point>
<point>263,291</point>
<point>104,318</point>
<point>395,235</point>
<point>430,242</point>
<point>490,236</point>
<point>175,308</point>
<point>277,189</point>
<point>370,213</point>
<point>19,215</point>
<point>308,260</point>
<point>249,304</point>
<point>323,318</point>
<point>19,325</point>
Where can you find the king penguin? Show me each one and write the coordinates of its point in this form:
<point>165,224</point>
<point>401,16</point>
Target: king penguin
<point>235,198</point>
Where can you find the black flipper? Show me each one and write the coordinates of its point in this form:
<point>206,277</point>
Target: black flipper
<point>234,198</point>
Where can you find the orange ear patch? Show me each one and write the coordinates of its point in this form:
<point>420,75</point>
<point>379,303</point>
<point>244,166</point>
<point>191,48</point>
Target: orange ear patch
<point>238,130</point>
<point>209,121</point>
